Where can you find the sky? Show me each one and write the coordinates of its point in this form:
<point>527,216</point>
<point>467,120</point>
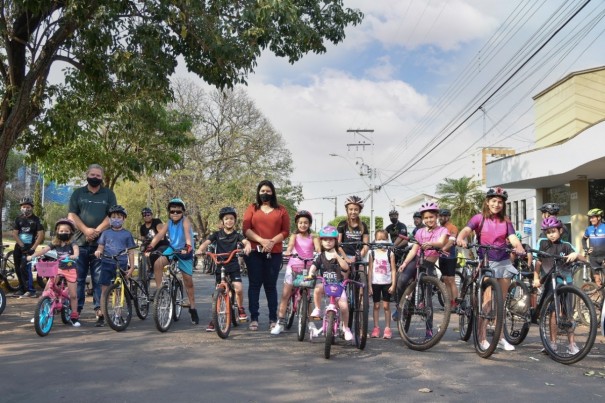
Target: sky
<point>445,76</point>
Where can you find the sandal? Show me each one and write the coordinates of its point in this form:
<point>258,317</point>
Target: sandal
<point>253,326</point>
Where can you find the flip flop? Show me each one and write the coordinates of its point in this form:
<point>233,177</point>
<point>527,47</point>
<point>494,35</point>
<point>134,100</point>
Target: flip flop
<point>253,326</point>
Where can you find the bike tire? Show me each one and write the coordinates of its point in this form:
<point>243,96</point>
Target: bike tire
<point>330,319</point>
<point>117,312</point>
<point>571,300</point>
<point>2,301</point>
<point>234,311</point>
<point>466,313</point>
<point>9,275</point>
<point>44,316</point>
<point>302,314</point>
<point>493,314</point>
<point>177,300</point>
<point>517,322</point>
<point>351,293</point>
<point>361,314</point>
<point>221,313</point>
<point>141,299</point>
<point>66,311</point>
<point>458,279</point>
<point>595,294</point>
<point>162,309</point>
<point>290,311</point>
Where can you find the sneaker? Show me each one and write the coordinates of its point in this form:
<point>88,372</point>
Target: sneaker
<point>553,347</point>
<point>18,293</point>
<point>375,333</point>
<point>348,334</point>
<point>278,328</point>
<point>387,333</point>
<point>316,313</point>
<point>505,345</point>
<point>484,345</point>
<point>395,315</point>
<point>29,294</point>
<point>242,314</point>
<point>454,307</point>
<point>573,349</point>
<point>100,321</point>
<point>75,322</point>
<point>428,335</point>
<point>210,327</point>
<point>194,318</point>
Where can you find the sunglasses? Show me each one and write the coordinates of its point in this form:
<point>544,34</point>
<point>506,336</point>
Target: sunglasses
<point>147,215</point>
<point>176,211</point>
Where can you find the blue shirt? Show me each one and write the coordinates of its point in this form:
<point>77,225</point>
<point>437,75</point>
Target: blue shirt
<point>596,237</point>
<point>115,241</point>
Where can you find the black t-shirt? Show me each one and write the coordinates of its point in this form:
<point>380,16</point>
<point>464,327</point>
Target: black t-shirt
<point>225,243</point>
<point>558,248</point>
<point>394,230</point>
<point>328,268</point>
<point>148,233</point>
<point>28,228</point>
<point>351,234</point>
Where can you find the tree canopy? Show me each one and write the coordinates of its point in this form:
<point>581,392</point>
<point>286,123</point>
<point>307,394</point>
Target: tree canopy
<point>463,197</point>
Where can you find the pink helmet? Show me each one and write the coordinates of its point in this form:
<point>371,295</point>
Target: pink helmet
<point>429,206</point>
<point>551,222</point>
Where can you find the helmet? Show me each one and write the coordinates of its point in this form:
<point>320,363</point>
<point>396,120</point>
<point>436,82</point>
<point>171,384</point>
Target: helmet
<point>328,232</point>
<point>393,212</point>
<point>519,236</point>
<point>146,210</point>
<point>66,221</point>
<point>303,213</point>
<point>417,215</point>
<point>550,208</point>
<point>117,209</point>
<point>26,200</point>
<point>176,201</point>
<point>496,192</point>
<point>354,200</point>
<point>551,222</point>
<point>227,210</point>
<point>429,206</point>
<point>518,301</point>
<point>595,212</point>
<point>445,211</point>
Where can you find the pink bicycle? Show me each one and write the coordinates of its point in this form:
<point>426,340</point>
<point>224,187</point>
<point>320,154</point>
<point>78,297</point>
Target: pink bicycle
<point>300,299</point>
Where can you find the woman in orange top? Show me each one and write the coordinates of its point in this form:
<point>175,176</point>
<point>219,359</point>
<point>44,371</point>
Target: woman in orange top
<point>266,225</point>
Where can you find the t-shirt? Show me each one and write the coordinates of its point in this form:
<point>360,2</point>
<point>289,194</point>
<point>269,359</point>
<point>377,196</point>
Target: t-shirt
<point>381,268</point>
<point>92,208</point>
<point>149,233</point>
<point>329,268</point>
<point>304,248</point>
<point>225,243</point>
<point>559,248</point>
<point>63,252</point>
<point>115,241</point>
<point>494,232</point>
<point>28,228</point>
<point>424,235</point>
<point>453,230</point>
<point>596,238</point>
<point>416,230</point>
<point>396,230</point>
<point>351,234</point>
<point>267,225</point>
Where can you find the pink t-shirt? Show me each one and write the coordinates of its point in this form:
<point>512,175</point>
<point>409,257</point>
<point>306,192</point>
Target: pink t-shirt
<point>423,235</point>
<point>494,232</point>
<point>303,246</point>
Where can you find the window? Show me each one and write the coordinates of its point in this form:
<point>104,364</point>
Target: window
<point>559,195</point>
<point>515,214</point>
<point>523,211</point>
<point>596,193</point>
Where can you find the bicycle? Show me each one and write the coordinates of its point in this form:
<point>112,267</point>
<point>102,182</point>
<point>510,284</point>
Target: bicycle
<point>2,300</point>
<point>300,300</point>
<point>119,296</point>
<point>224,302</point>
<point>7,269</point>
<point>54,299</point>
<point>418,313</point>
<point>479,284</point>
<point>583,273</point>
<point>168,300</point>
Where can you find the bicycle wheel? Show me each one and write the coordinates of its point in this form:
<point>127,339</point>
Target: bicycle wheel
<point>457,281</point>
<point>221,313</point>
<point>162,309</point>
<point>489,317</point>
<point>352,300</point>
<point>567,340</point>
<point>234,311</point>
<point>595,294</point>
<point>423,324</point>
<point>141,299</point>
<point>44,316</point>
<point>117,310</point>
<point>302,314</point>
<point>177,300</point>
<point>66,311</point>
<point>330,318</point>
<point>8,272</point>
<point>290,310</point>
<point>361,312</point>
<point>2,301</point>
<point>466,313</point>
<point>516,319</point>
<point>144,269</point>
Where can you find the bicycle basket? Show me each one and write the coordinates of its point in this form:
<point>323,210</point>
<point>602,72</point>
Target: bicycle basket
<point>47,269</point>
<point>333,290</point>
<point>299,275</point>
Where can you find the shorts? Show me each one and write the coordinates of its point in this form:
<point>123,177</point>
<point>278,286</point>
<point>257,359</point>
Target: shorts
<point>71,275</point>
<point>503,269</point>
<point>447,267</point>
<point>380,292</point>
<point>108,273</point>
<point>185,261</point>
<point>234,274</point>
<point>596,262</point>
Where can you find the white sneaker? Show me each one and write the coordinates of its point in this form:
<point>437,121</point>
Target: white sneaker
<point>484,345</point>
<point>277,329</point>
<point>505,345</point>
<point>348,334</point>
<point>553,347</point>
<point>316,313</point>
<point>573,349</point>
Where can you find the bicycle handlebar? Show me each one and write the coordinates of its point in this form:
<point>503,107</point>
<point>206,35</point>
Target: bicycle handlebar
<point>216,256</point>
<point>297,256</point>
<point>121,253</point>
<point>343,283</point>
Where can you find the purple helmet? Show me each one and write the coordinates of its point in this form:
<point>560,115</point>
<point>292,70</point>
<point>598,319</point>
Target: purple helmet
<point>551,222</point>
<point>328,232</point>
<point>429,206</point>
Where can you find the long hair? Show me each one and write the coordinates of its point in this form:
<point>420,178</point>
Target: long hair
<point>56,241</point>
<point>273,201</point>
<point>501,216</point>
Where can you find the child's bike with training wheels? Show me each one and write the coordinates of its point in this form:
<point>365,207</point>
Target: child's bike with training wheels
<point>300,300</point>
<point>224,303</point>
<point>120,295</point>
<point>168,300</point>
<point>55,298</point>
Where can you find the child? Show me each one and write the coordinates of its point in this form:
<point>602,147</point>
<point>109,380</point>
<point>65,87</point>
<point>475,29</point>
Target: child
<point>227,239</point>
<point>352,230</point>
<point>304,244</point>
<point>329,261</point>
<point>553,244</point>
<point>111,242</point>
<point>381,275</point>
<point>62,243</point>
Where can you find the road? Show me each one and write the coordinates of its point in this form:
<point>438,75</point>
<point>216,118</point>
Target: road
<point>187,364</point>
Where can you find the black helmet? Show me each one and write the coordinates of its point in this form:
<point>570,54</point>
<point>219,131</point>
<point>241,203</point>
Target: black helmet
<point>303,213</point>
<point>417,215</point>
<point>550,208</point>
<point>445,212</point>
<point>146,210</point>
<point>117,209</point>
<point>26,200</point>
<point>65,221</point>
<point>227,210</point>
<point>496,192</point>
<point>176,201</point>
<point>393,212</point>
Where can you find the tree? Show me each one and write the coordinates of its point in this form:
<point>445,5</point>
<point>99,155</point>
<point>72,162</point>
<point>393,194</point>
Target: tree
<point>38,202</point>
<point>132,44</point>
<point>463,197</point>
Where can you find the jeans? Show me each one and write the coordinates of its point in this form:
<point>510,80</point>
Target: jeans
<point>88,262</point>
<point>23,268</point>
<point>263,272</point>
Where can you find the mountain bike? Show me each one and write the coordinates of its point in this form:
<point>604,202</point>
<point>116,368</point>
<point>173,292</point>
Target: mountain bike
<point>8,275</point>
<point>518,309</point>
<point>583,276</point>
<point>300,300</point>
<point>119,296</point>
<point>168,300</point>
<point>420,311</point>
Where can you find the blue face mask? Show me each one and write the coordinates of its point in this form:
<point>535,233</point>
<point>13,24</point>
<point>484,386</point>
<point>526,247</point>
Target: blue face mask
<point>116,222</point>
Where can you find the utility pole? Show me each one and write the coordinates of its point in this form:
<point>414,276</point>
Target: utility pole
<point>335,204</point>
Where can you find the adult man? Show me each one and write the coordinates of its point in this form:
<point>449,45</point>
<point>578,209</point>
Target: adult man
<point>417,222</point>
<point>28,234</point>
<point>147,231</point>
<point>594,242</point>
<point>89,210</point>
<point>447,264</point>
<point>398,233</point>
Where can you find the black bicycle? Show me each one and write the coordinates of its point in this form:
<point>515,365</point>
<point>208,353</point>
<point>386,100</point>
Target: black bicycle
<point>8,275</point>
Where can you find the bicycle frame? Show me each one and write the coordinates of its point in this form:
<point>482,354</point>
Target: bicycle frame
<point>334,291</point>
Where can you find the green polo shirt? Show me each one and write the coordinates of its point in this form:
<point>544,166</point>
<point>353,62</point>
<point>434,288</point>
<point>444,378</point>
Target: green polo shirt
<point>92,208</point>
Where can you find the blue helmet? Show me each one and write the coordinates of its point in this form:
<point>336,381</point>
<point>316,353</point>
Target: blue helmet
<point>176,201</point>
<point>328,232</point>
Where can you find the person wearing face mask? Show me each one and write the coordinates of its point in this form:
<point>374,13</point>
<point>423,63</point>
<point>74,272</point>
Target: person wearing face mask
<point>266,224</point>
<point>111,242</point>
<point>398,232</point>
<point>89,210</point>
<point>28,233</point>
